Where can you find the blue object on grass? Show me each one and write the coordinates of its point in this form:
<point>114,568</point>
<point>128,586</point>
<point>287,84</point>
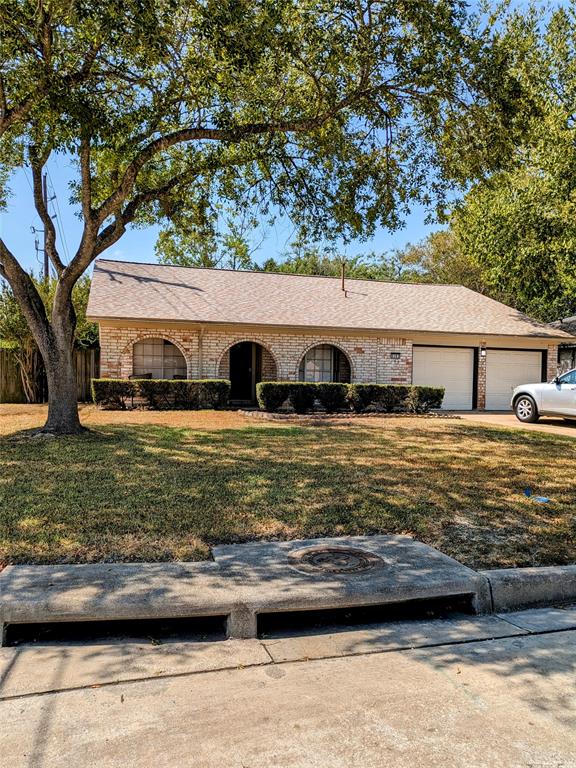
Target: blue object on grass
<point>537,499</point>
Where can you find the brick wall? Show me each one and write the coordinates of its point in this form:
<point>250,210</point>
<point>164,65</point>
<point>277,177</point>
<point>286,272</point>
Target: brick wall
<point>116,349</point>
<point>372,359</point>
<point>552,363</point>
<point>481,391</point>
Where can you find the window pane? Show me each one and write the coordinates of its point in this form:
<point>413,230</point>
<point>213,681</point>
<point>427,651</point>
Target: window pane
<point>317,364</point>
<point>158,357</point>
<point>569,378</point>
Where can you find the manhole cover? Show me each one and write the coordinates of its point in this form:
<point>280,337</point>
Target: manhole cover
<point>328,560</point>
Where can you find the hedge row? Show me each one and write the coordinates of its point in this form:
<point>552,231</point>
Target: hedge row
<point>161,394</point>
<point>386,398</point>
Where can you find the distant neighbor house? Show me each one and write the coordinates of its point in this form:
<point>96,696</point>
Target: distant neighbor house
<point>168,321</point>
<point>567,350</point>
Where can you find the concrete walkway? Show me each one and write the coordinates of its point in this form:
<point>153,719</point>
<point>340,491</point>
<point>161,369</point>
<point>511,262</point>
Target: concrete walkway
<point>549,424</point>
<point>454,697</point>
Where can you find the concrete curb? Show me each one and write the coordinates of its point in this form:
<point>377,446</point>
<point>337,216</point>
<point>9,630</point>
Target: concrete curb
<point>244,583</point>
<point>514,588</point>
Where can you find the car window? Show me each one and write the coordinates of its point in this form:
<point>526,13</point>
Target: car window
<point>568,378</point>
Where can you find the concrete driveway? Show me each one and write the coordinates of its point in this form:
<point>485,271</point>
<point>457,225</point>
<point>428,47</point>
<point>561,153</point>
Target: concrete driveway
<point>503,419</point>
<point>472,702</point>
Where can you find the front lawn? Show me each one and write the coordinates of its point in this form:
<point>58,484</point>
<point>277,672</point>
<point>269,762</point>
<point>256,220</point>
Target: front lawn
<point>158,491</point>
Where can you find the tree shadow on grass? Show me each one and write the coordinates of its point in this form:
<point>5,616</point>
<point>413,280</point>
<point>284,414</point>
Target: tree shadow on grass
<point>160,493</point>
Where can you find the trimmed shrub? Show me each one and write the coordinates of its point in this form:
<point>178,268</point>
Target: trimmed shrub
<point>163,394</point>
<point>272,394</point>
<point>302,396</point>
<point>380,398</point>
<point>423,399</point>
<point>332,396</point>
<point>212,393</point>
<point>113,393</point>
<point>185,394</point>
<point>386,398</point>
<point>158,394</point>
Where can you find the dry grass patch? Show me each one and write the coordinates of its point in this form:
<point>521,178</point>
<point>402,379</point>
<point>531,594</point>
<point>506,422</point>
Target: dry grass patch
<point>152,491</point>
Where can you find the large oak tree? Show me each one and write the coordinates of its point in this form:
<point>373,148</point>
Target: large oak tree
<point>339,113</point>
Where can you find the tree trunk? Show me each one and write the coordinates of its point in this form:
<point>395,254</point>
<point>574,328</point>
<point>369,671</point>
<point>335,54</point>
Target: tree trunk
<point>63,416</point>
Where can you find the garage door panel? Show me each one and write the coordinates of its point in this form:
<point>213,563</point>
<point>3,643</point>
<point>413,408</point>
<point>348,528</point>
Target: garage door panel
<point>451,368</point>
<point>507,369</point>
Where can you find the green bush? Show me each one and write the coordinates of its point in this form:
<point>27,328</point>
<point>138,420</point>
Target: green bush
<point>386,398</point>
<point>113,393</point>
<point>211,393</point>
<point>163,394</point>
<point>332,396</point>
<point>302,396</point>
<point>383,398</point>
<point>423,399</point>
<point>185,394</point>
<point>158,394</point>
<point>272,394</point>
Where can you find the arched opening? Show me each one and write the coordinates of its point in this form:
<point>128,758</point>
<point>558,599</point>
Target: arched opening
<point>157,359</point>
<point>245,364</point>
<point>325,362</point>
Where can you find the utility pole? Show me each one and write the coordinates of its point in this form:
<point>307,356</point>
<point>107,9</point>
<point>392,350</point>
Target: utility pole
<point>45,198</point>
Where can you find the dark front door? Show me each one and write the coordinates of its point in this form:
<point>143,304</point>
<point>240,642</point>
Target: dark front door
<point>242,373</point>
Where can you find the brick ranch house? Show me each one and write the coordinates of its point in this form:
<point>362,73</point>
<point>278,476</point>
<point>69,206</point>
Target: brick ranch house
<point>168,321</point>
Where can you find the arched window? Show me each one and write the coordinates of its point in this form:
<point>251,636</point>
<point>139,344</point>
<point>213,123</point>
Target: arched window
<point>158,359</point>
<point>324,363</point>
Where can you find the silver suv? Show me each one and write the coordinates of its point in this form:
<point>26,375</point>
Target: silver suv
<point>558,398</point>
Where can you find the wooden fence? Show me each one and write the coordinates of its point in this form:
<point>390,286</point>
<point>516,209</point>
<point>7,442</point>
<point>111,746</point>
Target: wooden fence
<point>11,390</point>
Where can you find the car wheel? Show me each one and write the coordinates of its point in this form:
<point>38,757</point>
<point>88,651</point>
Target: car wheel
<point>525,409</point>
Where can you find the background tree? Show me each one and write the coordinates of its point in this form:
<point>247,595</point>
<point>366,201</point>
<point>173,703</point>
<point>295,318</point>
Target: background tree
<point>518,226</point>
<point>323,259</point>
<point>440,258</point>
<point>208,237</point>
<point>16,335</point>
<point>337,113</point>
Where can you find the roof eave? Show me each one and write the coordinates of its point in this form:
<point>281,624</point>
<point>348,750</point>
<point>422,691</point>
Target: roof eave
<point>329,328</point>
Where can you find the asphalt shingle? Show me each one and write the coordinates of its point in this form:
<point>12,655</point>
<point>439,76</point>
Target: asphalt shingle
<point>126,290</point>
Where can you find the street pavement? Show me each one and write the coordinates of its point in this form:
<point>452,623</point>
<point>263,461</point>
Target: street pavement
<point>411,695</point>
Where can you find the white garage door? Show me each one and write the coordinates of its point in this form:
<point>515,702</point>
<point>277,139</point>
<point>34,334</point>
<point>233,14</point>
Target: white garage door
<point>451,368</point>
<point>507,369</point>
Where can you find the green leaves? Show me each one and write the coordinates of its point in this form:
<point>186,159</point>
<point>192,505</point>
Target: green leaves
<point>334,113</point>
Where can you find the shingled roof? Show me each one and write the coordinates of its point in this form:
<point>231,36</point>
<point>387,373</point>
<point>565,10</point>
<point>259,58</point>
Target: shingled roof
<point>154,292</point>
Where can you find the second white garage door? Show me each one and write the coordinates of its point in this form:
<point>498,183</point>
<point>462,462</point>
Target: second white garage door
<point>451,368</point>
<point>505,370</point>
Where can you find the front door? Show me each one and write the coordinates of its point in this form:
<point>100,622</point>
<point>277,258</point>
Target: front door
<point>243,371</point>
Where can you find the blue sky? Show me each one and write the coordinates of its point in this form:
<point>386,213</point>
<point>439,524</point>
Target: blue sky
<point>137,244</point>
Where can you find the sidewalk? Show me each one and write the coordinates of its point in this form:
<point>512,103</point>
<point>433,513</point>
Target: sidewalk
<point>428,694</point>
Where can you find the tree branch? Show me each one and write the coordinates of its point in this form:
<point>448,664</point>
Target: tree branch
<point>11,115</point>
<point>37,165</point>
<point>86,175</point>
<point>235,134</point>
<point>26,294</point>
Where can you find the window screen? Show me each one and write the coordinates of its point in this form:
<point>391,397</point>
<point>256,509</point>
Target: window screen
<point>318,364</point>
<point>160,358</point>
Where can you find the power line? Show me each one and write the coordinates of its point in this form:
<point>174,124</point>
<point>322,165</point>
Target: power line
<point>58,217</point>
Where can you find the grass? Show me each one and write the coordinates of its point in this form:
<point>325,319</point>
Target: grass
<point>169,489</point>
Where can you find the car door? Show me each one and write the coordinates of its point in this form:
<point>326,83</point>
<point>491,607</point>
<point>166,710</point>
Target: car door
<point>560,396</point>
